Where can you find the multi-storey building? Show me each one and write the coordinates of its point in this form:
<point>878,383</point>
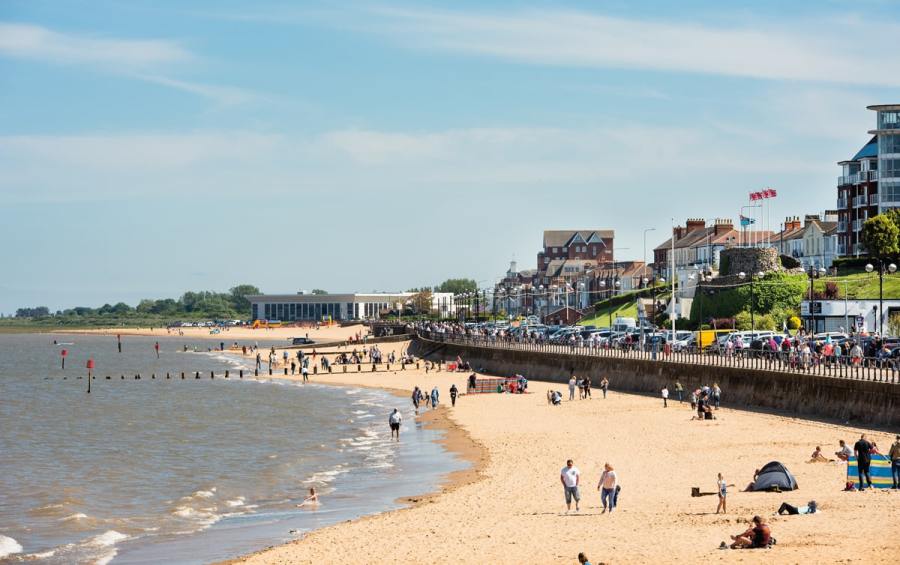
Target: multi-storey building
<point>569,252</point>
<point>870,182</point>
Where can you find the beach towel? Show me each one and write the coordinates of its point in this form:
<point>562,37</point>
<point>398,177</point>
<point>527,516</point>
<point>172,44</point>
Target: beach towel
<point>879,470</point>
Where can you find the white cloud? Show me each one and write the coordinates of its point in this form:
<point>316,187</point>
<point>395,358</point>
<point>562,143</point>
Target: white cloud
<point>223,96</point>
<point>133,58</point>
<point>36,42</point>
<point>240,163</point>
<point>849,51</point>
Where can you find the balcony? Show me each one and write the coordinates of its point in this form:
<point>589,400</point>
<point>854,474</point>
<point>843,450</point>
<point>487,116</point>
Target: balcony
<point>841,249</point>
<point>873,200</point>
<point>842,226</point>
<point>857,225</point>
<point>842,202</point>
<point>860,201</point>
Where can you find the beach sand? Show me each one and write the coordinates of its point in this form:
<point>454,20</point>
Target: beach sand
<point>509,508</point>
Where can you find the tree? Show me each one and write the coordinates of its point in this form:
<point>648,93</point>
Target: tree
<point>319,291</point>
<point>239,295</point>
<point>421,302</point>
<point>880,235</point>
<point>32,312</point>
<point>458,286</point>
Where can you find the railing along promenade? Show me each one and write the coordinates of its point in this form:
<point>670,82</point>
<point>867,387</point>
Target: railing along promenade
<point>865,369</point>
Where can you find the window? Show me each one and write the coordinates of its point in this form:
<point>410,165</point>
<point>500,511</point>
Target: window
<point>268,311</point>
<point>546,260</point>
<point>565,249</point>
<point>890,168</point>
<point>890,191</point>
<point>888,144</point>
<point>556,249</point>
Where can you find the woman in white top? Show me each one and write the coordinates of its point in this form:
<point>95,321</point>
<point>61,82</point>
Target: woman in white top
<point>608,486</point>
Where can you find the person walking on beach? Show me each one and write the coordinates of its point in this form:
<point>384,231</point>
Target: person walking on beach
<point>472,382</point>
<point>679,391</point>
<point>416,393</point>
<point>570,477</point>
<point>723,492</point>
<point>587,387</point>
<point>604,386</point>
<point>608,487</point>
<point>434,396</point>
<point>572,383</point>
<point>894,456</point>
<point>394,420</point>
<point>156,347</point>
<point>665,396</point>
<point>453,392</point>
<point>305,372</point>
<point>863,449</point>
<point>258,360</point>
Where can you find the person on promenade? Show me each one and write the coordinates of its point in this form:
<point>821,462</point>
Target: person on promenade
<point>608,487</point>
<point>723,493</point>
<point>679,391</point>
<point>894,456</point>
<point>394,420</point>
<point>311,500</point>
<point>583,560</point>
<point>757,536</point>
<point>844,453</point>
<point>665,396</point>
<point>570,477</point>
<point>863,450</point>
<point>453,393</point>
<point>415,399</point>
<point>817,457</point>
<point>572,384</point>
<point>434,397</point>
<point>604,386</point>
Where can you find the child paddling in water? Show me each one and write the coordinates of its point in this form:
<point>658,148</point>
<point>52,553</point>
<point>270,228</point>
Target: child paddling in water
<point>311,500</point>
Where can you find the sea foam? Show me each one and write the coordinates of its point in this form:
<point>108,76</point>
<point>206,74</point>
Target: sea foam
<point>9,546</point>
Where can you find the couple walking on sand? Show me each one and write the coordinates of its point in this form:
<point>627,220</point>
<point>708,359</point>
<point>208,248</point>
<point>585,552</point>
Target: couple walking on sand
<point>570,477</point>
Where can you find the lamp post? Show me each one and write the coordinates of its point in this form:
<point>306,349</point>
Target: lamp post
<point>534,299</point>
<point>892,268</point>
<point>813,274</point>
<point>701,278</point>
<point>645,244</point>
<point>742,276</point>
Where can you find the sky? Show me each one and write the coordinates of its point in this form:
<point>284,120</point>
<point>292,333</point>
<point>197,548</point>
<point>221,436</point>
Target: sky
<point>148,148</point>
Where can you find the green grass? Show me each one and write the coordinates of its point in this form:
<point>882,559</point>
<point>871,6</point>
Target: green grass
<point>602,317</point>
<point>862,285</point>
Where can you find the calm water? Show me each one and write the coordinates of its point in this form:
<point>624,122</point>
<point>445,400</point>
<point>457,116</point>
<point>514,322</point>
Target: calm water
<point>185,471</point>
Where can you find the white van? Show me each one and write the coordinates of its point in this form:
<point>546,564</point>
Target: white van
<point>623,324</point>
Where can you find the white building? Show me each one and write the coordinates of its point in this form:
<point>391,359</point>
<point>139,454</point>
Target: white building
<point>832,315</point>
<point>319,307</point>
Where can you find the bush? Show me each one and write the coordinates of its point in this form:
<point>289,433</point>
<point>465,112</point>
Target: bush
<point>766,322</point>
<point>794,323</point>
<point>724,264</point>
<point>742,321</point>
<point>789,262</point>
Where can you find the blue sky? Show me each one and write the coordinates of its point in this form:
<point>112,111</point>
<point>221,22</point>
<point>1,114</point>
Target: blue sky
<point>148,148</point>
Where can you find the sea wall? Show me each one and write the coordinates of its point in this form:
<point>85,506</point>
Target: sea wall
<point>845,400</point>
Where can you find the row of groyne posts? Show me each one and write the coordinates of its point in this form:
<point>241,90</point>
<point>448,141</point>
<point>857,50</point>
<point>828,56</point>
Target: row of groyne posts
<point>241,373</point>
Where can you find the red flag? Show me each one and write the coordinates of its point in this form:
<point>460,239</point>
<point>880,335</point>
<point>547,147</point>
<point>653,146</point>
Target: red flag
<point>754,196</point>
<point>773,193</point>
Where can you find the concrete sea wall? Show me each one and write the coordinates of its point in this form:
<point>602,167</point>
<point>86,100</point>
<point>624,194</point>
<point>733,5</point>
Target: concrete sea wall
<point>846,400</point>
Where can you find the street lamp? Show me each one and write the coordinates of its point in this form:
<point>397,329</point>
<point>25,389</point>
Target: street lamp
<point>701,278</point>
<point>813,274</point>
<point>892,268</point>
<point>742,276</point>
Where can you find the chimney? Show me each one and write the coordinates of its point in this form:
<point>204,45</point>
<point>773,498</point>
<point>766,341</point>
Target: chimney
<point>694,224</point>
<point>808,218</point>
<point>723,225</point>
<point>792,223</point>
<point>678,232</point>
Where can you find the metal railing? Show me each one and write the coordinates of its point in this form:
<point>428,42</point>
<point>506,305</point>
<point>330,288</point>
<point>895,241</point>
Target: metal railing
<point>886,370</point>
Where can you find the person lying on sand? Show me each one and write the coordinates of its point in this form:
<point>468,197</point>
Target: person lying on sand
<point>311,500</point>
<point>810,508</point>
<point>817,457</point>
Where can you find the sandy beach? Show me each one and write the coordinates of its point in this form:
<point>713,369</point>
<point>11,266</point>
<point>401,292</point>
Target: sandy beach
<point>510,509</point>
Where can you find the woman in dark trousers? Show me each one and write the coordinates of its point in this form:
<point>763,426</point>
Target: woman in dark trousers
<point>453,392</point>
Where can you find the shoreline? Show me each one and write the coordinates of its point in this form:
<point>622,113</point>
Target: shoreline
<point>456,440</point>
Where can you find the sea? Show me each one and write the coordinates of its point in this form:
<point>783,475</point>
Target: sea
<point>169,470</point>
